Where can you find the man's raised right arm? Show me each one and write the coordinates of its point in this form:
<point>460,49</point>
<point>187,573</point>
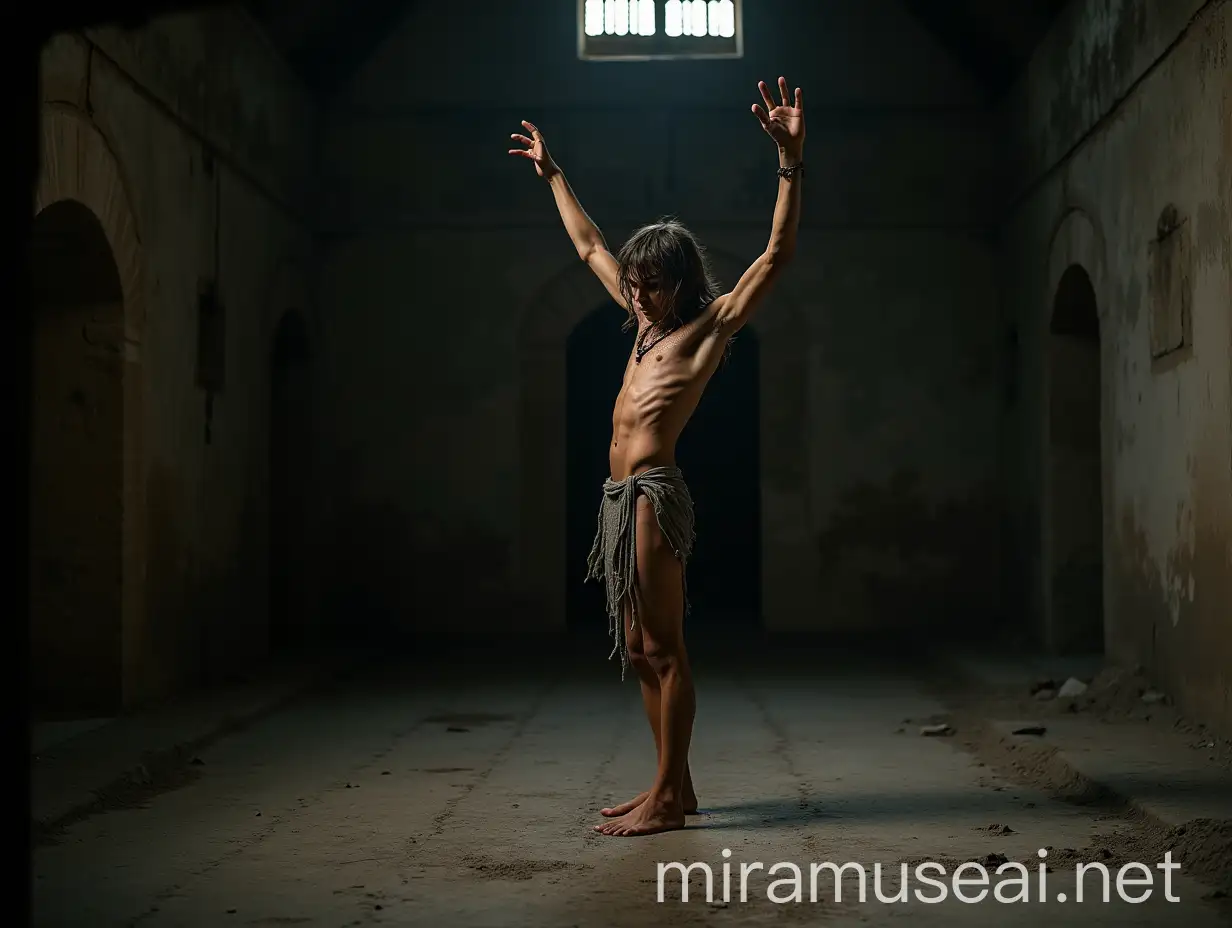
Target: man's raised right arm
<point>584,234</point>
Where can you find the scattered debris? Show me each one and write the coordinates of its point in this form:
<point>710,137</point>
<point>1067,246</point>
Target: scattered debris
<point>998,829</point>
<point>1071,688</point>
<point>939,729</point>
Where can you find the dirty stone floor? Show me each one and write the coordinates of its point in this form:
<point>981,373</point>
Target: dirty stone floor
<point>441,791</point>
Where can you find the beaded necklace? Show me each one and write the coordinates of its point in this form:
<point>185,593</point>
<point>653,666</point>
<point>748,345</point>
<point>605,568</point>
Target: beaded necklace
<point>643,347</point>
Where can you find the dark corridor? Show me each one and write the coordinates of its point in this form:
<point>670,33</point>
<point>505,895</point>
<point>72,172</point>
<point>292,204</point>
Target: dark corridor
<point>719,454</point>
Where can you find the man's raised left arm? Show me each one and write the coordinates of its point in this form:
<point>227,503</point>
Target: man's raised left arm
<point>785,124</point>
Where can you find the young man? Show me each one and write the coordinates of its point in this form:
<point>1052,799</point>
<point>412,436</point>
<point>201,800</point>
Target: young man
<point>645,534</point>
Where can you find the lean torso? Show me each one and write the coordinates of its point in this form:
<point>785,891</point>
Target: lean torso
<point>658,396</point>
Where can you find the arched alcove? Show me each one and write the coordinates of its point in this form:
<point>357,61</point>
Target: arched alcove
<point>719,454</point>
<point>1075,568</point>
<point>76,465</point>
<point>89,295</point>
<point>787,572</point>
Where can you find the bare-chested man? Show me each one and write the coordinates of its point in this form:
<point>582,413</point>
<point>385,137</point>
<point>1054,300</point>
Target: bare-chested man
<point>684,324</point>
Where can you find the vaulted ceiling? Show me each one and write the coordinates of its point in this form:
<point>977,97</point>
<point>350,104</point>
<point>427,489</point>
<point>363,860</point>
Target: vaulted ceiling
<point>325,41</point>
<point>992,39</point>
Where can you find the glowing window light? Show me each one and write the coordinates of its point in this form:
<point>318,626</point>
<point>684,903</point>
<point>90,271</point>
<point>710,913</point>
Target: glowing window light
<point>680,17</point>
<point>699,17</point>
<point>673,17</point>
<point>622,17</point>
<point>594,17</point>
<point>646,17</point>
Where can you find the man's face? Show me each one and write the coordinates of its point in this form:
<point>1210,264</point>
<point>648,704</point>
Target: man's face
<point>648,296</point>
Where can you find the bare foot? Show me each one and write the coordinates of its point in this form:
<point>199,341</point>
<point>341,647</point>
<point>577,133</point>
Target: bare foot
<point>690,804</point>
<point>651,816</point>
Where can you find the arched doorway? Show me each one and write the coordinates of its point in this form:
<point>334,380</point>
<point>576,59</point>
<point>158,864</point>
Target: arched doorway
<point>719,454</point>
<point>1075,542</point>
<point>76,466</point>
<point>290,448</point>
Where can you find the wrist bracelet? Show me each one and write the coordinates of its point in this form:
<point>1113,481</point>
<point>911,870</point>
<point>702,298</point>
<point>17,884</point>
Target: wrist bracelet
<point>788,171</point>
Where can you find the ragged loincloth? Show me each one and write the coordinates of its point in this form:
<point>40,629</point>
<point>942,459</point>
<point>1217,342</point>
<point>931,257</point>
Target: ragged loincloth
<point>613,557</point>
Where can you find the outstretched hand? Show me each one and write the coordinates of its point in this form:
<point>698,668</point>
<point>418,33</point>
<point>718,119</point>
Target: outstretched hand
<point>785,122</point>
<point>536,150</point>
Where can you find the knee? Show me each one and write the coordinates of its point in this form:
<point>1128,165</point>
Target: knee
<point>664,659</point>
<point>637,655</point>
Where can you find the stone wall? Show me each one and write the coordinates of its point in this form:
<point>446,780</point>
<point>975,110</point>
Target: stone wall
<point>193,147</point>
<point>1123,131</point>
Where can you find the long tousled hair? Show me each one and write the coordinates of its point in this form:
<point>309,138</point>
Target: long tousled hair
<point>670,252</point>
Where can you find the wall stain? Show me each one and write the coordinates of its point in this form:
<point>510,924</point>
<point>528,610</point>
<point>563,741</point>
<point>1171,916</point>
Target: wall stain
<point>1175,621</point>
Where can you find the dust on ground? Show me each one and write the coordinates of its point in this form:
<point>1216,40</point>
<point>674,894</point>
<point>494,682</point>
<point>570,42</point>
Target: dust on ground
<point>1203,847</point>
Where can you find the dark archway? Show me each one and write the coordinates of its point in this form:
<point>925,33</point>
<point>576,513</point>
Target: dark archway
<point>719,454</point>
<point>290,449</point>
<point>76,467</point>
<point>1074,468</point>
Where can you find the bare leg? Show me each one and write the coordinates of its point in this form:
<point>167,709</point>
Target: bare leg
<point>661,597</point>
<point>651,701</point>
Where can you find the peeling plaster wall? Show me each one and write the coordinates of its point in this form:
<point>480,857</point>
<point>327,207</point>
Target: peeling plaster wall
<point>215,144</point>
<point>1125,110</point>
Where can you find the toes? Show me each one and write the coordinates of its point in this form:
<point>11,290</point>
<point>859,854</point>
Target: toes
<point>610,828</point>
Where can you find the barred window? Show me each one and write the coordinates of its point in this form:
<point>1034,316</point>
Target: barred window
<point>639,30</point>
